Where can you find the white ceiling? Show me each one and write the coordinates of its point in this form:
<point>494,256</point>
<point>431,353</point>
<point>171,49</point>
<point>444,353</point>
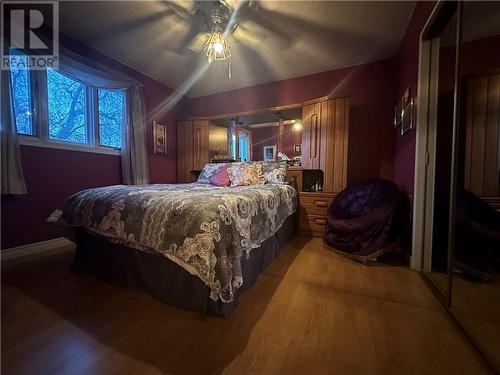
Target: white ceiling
<point>309,37</point>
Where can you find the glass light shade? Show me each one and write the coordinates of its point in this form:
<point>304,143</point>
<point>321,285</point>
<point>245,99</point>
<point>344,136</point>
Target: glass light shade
<point>217,48</point>
<point>297,127</point>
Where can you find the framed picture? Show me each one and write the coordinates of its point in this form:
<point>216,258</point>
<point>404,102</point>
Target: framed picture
<point>159,138</point>
<point>270,152</point>
<point>407,117</point>
<point>398,113</point>
<point>403,112</point>
<point>297,149</point>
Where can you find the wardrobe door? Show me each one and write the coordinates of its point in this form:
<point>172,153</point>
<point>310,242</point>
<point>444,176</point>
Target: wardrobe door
<point>334,142</point>
<point>311,136</point>
<point>184,151</point>
<point>200,144</point>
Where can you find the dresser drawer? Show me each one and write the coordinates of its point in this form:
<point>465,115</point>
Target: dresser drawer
<point>315,204</point>
<point>312,225</point>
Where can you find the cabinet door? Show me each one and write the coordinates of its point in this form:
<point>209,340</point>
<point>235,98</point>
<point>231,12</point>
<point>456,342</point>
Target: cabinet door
<point>335,136</point>
<point>200,144</point>
<point>184,151</point>
<point>311,136</point>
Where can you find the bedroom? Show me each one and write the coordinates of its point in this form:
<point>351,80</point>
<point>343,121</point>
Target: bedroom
<point>341,208</point>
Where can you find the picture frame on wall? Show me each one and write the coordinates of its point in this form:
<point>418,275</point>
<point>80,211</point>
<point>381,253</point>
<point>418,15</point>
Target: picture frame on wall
<point>270,152</point>
<point>398,114</point>
<point>403,112</point>
<point>407,117</point>
<point>297,149</point>
<point>159,138</point>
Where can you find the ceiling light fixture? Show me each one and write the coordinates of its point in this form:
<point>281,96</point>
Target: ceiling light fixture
<point>217,47</point>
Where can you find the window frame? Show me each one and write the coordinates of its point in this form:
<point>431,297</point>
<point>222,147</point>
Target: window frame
<point>40,119</point>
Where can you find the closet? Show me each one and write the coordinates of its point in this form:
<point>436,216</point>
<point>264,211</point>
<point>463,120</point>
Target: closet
<point>456,213</point>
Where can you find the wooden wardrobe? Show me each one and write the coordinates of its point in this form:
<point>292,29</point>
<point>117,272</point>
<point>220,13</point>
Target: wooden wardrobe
<point>192,148</point>
<point>325,134</point>
<point>197,142</point>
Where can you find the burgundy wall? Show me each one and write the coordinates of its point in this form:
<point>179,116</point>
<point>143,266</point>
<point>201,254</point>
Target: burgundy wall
<point>407,68</point>
<point>263,137</point>
<point>371,88</point>
<point>290,138</point>
<point>51,174</point>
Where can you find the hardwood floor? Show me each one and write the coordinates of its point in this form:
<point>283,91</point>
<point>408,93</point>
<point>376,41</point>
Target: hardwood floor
<point>310,312</point>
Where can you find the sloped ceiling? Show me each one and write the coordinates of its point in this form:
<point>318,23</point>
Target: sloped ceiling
<point>298,38</point>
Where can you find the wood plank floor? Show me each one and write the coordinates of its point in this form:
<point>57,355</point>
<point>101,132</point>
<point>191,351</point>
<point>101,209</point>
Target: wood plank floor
<point>310,312</point>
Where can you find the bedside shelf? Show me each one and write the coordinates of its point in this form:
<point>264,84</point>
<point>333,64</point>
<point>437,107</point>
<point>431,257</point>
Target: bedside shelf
<point>312,212</point>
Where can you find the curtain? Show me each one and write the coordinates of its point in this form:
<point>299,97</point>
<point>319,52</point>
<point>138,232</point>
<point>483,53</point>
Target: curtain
<point>134,148</point>
<point>12,169</point>
<point>135,159</point>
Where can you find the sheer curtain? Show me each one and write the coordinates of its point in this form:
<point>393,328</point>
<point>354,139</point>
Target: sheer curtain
<point>12,169</point>
<point>134,150</point>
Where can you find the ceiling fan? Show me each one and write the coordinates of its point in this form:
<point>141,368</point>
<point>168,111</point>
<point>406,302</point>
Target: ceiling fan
<point>212,24</point>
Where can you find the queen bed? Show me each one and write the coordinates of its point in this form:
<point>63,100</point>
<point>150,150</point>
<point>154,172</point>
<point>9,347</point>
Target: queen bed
<point>195,246</point>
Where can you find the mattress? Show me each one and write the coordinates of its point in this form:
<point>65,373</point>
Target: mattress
<point>204,229</point>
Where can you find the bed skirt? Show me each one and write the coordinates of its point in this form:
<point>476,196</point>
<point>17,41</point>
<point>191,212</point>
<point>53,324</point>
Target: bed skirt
<point>164,279</point>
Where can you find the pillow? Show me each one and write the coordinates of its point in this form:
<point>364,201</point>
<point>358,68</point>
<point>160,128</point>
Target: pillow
<point>208,171</point>
<point>274,173</point>
<point>220,178</point>
<point>242,174</point>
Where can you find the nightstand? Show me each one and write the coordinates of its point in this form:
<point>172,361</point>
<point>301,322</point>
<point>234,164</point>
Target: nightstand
<point>312,212</point>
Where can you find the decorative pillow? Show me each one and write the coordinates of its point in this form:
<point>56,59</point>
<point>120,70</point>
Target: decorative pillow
<point>274,173</point>
<point>220,178</point>
<point>242,174</point>
<point>208,171</point>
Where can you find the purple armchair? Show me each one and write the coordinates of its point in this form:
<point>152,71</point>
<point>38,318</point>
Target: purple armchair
<point>362,219</point>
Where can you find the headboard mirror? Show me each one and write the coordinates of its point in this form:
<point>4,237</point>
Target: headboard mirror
<point>263,135</point>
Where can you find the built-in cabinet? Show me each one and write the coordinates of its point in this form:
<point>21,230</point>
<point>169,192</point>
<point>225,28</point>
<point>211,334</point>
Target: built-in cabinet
<point>198,142</point>
<point>324,142</point>
<point>192,148</point>
<point>325,134</point>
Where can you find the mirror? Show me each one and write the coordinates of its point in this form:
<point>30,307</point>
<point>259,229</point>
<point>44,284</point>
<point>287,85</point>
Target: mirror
<point>264,135</point>
<point>437,262</point>
<point>476,255</point>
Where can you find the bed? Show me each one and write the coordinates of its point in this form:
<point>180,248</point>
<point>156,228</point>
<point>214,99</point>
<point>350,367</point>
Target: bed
<point>195,246</point>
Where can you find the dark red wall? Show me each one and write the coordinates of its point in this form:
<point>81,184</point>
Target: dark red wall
<point>51,174</point>
<point>371,88</point>
<point>290,138</point>
<point>261,137</point>
<point>407,72</point>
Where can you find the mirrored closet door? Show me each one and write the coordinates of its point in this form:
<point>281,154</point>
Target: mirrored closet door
<point>476,252</point>
<point>460,138</point>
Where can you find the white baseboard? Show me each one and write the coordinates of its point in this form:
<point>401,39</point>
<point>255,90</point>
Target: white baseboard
<point>43,248</point>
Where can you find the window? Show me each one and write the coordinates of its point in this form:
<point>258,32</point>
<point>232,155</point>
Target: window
<point>67,108</point>
<point>74,115</point>
<point>111,118</point>
<point>21,92</point>
<point>244,146</point>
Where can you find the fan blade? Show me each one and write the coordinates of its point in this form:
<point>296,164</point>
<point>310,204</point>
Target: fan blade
<point>198,42</point>
<point>243,34</point>
<point>254,13</point>
<point>183,8</point>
